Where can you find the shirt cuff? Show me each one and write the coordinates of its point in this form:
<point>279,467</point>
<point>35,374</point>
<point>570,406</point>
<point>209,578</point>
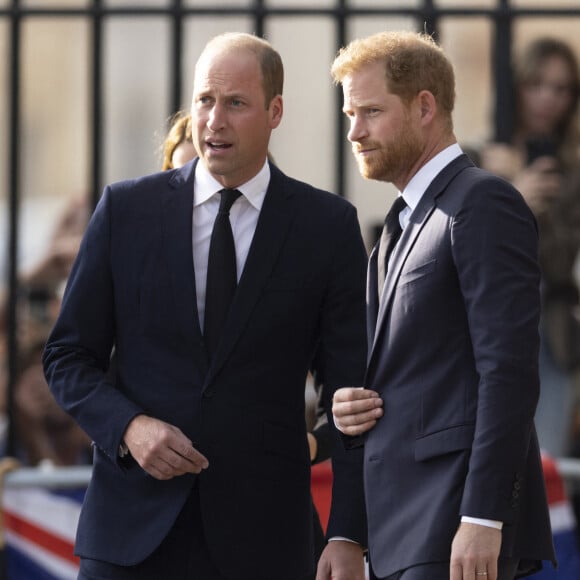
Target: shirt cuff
<point>335,538</point>
<point>482,522</point>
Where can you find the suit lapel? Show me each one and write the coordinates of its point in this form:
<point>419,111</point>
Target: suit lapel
<point>408,239</point>
<point>275,219</point>
<point>372,295</point>
<point>176,218</point>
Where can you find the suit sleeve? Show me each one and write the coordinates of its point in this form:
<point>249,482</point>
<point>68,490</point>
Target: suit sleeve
<point>78,351</point>
<point>495,244</point>
<point>341,362</point>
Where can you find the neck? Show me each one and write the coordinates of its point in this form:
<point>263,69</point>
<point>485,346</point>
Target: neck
<point>431,149</point>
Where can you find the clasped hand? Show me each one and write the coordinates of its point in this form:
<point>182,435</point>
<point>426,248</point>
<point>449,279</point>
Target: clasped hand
<point>356,410</point>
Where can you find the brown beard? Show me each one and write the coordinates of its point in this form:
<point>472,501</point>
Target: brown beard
<point>393,159</point>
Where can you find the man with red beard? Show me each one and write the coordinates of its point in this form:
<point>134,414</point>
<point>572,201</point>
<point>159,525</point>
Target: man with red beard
<point>453,479</point>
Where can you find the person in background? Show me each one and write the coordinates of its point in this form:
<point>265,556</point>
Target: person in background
<point>44,433</point>
<point>201,462</point>
<point>178,147</point>
<point>453,477</point>
<point>542,160</point>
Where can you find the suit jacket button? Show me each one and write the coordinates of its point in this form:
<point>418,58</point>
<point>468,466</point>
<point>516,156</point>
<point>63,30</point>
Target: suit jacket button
<point>208,393</point>
<point>515,494</point>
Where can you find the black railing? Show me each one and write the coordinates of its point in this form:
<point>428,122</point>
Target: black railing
<point>426,13</point>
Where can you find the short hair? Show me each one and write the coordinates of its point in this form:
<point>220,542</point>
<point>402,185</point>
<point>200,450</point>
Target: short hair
<point>413,62</point>
<point>268,58</point>
<point>179,132</point>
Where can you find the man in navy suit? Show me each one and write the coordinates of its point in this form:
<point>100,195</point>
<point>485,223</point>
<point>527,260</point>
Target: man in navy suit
<point>201,461</point>
<point>453,478</point>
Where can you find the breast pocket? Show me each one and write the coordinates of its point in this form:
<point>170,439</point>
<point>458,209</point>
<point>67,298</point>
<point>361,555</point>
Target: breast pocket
<point>416,272</point>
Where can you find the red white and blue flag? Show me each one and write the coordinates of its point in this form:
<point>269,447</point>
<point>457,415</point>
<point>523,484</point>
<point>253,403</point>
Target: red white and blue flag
<point>39,529</point>
<point>564,528</point>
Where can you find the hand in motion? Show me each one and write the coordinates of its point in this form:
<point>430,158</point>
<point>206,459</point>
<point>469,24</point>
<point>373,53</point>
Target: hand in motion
<point>356,410</point>
<point>161,449</point>
<point>475,550</point>
<point>341,560</point>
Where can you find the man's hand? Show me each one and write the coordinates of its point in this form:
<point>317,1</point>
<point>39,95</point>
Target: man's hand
<point>341,560</point>
<point>475,549</point>
<point>161,449</point>
<point>356,410</point>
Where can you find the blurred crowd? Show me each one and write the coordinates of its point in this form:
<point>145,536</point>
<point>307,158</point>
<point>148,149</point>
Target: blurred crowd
<point>43,432</point>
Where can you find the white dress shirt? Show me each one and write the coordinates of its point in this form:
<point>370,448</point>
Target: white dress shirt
<point>243,217</point>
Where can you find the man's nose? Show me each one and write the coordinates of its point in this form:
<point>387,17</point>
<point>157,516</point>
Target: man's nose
<point>357,130</point>
<point>215,120</point>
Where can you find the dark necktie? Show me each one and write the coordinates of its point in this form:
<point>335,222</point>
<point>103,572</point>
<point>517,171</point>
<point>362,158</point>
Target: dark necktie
<point>222,277</point>
<point>389,237</point>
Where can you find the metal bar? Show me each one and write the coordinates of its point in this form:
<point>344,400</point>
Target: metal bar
<point>14,207</point>
<point>78,476</point>
<point>340,124</point>
<point>569,468</point>
<point>430,19</point>
<point>259,11</point>
<point>502,71</point>
<point>49,477</point>
<point>176,56</point>
<point>96,104</point>
<point>403,10</point>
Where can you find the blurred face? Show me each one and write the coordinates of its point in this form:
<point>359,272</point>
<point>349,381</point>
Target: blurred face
<point>547,100</point>
<point>183,153</point>
<point>231,122</point>
<point>384,132</point>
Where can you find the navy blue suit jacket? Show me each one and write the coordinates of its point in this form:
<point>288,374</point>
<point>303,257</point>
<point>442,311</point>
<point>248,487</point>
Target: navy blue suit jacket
<point>454,355</point>
<point>133,288</point>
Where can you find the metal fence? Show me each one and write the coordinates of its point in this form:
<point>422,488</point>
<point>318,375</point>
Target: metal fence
<point>79,476</point>
<point>427,14</point>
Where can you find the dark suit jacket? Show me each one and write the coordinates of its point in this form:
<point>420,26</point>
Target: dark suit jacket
<point>133,287</point>
<point>454,358</point>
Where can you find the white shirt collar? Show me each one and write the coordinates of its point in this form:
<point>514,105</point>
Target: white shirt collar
<point>206,186</point>
<point>423,178</point>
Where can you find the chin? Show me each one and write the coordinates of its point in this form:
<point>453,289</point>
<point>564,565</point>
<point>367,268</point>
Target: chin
<point>369,172</point>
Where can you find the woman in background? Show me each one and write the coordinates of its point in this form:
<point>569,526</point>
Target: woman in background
<point>542,161</point>
<point>178,146</point>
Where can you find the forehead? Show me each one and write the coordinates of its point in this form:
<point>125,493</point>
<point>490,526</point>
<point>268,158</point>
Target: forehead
<point>367,84</point>
<point>227,69</point>
<point>555,67</point>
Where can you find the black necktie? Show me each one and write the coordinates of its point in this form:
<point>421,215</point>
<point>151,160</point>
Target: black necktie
<point>389,237</point>
<point>222,277</point>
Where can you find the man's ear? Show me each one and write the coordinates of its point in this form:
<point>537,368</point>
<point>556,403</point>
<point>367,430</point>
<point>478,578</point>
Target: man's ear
<point>276,109</point>
<point>428,106</point>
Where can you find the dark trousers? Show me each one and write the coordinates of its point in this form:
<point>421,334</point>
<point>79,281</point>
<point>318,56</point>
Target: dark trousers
<point>440,571</point>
